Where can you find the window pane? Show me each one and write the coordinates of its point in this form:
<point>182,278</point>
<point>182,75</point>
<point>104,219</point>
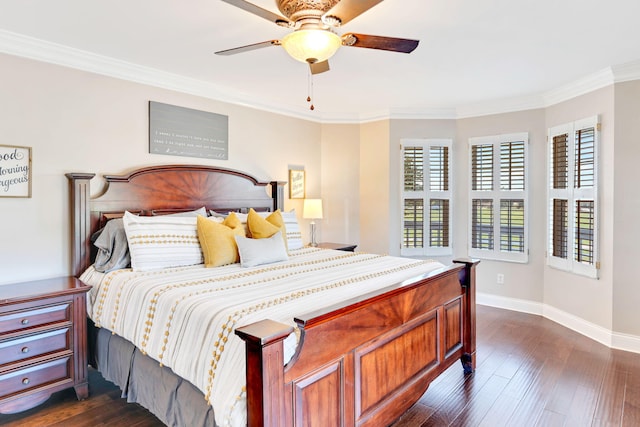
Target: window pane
<point>413,169</point>
<point>559,228</point>
<point>413,233</point>
<point>439,168</point>
<point>584,171</point>
<point>512,166</point>
<point>512,225</point>
<point>482,167</point>
<point>584,231</point>
<point>560,170</point>
<point>482,224</point>
<point>439,223</point>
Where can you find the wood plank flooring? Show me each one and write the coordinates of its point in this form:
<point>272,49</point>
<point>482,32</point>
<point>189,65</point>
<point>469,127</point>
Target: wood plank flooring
<point>531,372</point>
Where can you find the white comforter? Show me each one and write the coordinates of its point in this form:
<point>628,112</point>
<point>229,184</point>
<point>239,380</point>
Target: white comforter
<point>185,317</point>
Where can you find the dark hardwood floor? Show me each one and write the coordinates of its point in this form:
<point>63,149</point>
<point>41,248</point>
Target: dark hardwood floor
<point>531,372</point>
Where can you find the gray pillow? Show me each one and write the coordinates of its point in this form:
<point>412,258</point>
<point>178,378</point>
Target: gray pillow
<point>255,252</point>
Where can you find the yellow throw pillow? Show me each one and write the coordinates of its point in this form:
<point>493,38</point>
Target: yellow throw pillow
<point>218,242</point>
<point>262,228</point>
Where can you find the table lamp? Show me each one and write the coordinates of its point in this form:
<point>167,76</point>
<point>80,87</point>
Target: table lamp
<point>312,209</point>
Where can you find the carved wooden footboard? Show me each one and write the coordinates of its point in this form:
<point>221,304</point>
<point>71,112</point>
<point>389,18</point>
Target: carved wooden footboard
<point>367,362</point>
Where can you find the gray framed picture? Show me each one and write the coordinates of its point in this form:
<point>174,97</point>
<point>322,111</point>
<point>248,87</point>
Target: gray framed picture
<point>179,131</point>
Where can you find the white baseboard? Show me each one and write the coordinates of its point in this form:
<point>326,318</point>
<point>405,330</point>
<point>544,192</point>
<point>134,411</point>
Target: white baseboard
<point>515,304</point>
<point>598,333</point>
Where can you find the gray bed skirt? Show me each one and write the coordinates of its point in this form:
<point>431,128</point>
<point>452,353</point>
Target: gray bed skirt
<point>175,401</point>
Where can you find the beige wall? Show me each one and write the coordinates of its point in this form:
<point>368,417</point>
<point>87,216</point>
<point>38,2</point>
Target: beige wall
<point>589,299</point>
<point>81,122</point>
<point>340,160</point>
<point>375,223</point>
<point>626,202</point>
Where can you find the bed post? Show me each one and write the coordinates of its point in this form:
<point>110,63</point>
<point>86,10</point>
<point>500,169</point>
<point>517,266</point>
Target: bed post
<point>80,221</point>
<point>277,194</point>
<point>467,278</point>
<point>266,399</point>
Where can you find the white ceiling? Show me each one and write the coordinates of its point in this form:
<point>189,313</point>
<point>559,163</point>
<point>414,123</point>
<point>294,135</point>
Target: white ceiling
<point>471,52</point>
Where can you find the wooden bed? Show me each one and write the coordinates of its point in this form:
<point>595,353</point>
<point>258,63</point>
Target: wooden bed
<point>360,363</point>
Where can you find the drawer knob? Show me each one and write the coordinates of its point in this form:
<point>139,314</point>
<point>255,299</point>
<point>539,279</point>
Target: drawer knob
<point>25,349</point>
<point>25,381</point>
<point>25,321</point>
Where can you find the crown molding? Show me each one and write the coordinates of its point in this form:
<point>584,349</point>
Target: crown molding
<point>626,72</point>
<point>579,87</point>
<point>41,50</point>
<point>57,54</point>
<point>500,106</point>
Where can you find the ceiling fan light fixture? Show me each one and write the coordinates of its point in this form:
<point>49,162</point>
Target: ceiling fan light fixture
<point>311,45</point>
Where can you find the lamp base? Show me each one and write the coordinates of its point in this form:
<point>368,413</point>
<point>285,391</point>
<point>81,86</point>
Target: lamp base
<point>313,243</point>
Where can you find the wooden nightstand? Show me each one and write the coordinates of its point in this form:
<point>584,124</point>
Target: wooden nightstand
<point>43,341</point>
<point>337,246</point>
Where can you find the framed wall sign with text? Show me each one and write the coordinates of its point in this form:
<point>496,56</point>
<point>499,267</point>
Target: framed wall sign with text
<point>296,184</point>
<point>15,171</point>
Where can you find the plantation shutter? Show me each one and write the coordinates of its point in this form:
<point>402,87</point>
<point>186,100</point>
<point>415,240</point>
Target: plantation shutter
<point>573,204</point>
<point>426,197</point>
<point>498,197</point>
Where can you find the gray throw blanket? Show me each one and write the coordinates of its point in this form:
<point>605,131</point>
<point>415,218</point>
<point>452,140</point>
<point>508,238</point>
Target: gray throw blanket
<point>113,248</point>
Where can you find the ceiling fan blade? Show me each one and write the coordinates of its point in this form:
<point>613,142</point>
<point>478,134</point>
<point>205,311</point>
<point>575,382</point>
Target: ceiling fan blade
<point>257,10</point>
<point>379,42</point>
<point>346,10</point>
<point>319,67</point>
<point>248,47</point>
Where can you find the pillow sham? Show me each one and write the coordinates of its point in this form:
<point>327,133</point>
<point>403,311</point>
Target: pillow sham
<point>292,229</point>
<point>254,252</point>
<point>112,246</point>
<point>217,240</point>
<point>157,242</point>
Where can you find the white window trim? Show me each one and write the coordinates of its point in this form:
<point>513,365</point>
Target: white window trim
<point>496,195</point>
<point>426,195</point>
<point>572,194</point>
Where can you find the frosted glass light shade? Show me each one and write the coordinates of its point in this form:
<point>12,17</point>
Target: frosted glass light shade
<point>311,46</point>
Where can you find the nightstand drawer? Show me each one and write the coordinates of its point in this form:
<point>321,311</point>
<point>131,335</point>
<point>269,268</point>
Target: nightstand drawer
<point>34,345</point>
<point>25,319</point>
<point>35,376</point>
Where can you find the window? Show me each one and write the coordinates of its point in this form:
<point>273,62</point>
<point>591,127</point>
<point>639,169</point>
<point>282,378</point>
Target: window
<point>572,197</point>
<point>498,194</point>
<point>426,197</point>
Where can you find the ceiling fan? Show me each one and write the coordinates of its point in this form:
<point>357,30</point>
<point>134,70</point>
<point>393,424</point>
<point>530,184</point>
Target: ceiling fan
<point>314,39</point>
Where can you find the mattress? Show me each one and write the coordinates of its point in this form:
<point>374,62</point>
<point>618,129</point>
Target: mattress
<point>184,318</point>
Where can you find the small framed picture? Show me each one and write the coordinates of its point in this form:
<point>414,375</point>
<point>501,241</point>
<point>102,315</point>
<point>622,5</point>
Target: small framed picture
<point>15,165</point>
<point>296,184</point>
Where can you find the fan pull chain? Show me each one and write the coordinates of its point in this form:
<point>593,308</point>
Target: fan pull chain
<point>310,90</point>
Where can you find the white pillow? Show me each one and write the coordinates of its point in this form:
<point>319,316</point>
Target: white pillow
<point>255,252</point>
<point>294,236</point>
<point>162,241</point>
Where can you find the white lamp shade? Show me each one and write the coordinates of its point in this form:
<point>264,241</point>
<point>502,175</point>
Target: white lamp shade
<point>312,209</point>
<point>314,45</point>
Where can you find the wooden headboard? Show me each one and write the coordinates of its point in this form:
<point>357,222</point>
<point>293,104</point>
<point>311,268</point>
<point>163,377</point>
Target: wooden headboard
<point>158,190</point>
